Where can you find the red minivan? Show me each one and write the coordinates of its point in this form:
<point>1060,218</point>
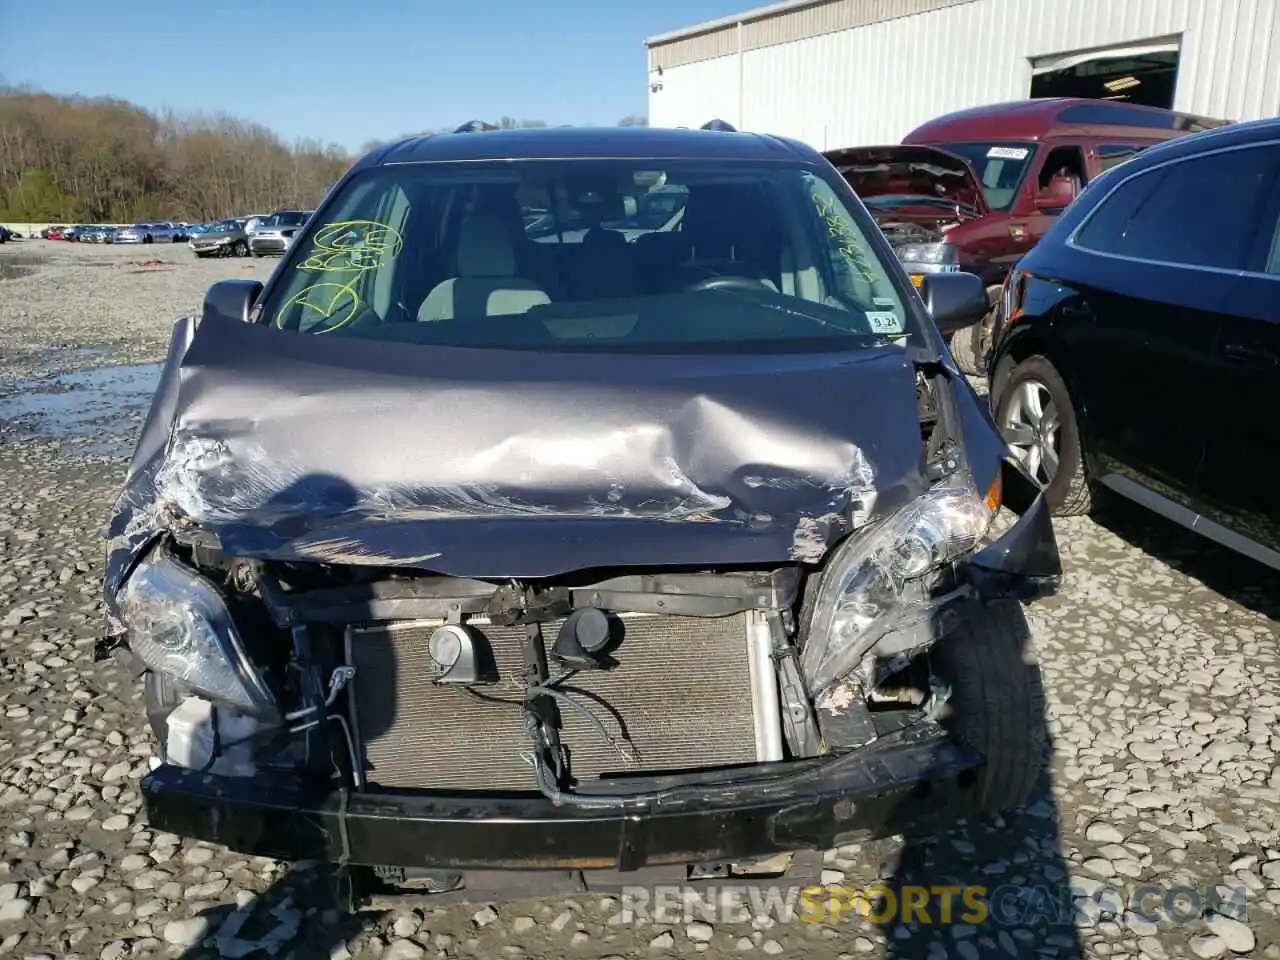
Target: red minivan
<point>974,190</point>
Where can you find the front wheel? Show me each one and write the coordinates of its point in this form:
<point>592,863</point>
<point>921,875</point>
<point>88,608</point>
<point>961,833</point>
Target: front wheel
<point>995,706</point>
<point>241,249</point>
<point>1038,421</point>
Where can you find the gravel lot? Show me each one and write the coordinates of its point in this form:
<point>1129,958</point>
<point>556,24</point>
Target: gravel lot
<point>1160,656</point>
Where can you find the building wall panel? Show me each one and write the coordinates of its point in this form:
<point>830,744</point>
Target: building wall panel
<point>697,92</point>
<point>875,83</point>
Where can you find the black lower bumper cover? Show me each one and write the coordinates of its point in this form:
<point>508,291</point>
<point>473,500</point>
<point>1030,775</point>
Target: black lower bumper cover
<point>882,788</point>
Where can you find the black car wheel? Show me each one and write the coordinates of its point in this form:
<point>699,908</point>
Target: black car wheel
<point>969,346</point>
<point>241,249</point>
<point>148,239</point>
<point>1038,420</point>
<point>995,706</point>
<point>966,347</point>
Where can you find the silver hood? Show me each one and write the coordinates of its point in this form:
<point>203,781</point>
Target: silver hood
<point>513,464</point>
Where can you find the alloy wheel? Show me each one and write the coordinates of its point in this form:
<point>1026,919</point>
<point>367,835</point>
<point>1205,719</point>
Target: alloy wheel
<point>1031,426</point>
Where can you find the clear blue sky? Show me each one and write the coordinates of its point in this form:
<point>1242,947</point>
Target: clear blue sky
<point>350,71</point>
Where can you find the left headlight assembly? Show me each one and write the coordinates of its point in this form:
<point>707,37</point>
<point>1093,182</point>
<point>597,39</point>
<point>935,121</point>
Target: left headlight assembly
<point>179,625</point>
<point>875,583</point>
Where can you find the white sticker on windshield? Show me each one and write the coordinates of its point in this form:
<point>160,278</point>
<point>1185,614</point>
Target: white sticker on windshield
<point>1007,153</point>
<point>884,322</point>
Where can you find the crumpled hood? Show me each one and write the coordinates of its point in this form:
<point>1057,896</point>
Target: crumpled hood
<point>491,463</point>
<point>913,170</point>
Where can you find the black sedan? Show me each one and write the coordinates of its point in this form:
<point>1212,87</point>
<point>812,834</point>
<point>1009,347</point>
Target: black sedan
<point>1138,345</point>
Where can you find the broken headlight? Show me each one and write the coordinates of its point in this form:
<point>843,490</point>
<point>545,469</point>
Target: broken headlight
<point>873,581</point>
<point>179,625</point>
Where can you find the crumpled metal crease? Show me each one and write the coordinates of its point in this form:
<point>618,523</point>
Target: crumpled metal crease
<point>284,444</point>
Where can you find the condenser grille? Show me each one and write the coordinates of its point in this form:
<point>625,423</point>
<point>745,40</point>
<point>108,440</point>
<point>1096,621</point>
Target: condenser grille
<point>681,687</point>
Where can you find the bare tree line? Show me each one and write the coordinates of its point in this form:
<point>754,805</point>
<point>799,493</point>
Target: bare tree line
<point>104,160</point>
<point>73,159</point>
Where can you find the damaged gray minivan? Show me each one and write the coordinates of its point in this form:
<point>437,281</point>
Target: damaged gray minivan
<point>454,553</point>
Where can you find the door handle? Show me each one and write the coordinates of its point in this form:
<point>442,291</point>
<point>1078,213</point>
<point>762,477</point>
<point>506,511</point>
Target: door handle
<point>1245,353</point>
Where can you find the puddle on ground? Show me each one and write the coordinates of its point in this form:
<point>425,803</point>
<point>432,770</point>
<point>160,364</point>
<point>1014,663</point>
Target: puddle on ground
<point>13,269</point>
<point>101,409</point>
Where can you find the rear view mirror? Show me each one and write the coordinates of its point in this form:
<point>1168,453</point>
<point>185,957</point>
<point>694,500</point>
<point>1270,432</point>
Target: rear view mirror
<point>231,299</point>
<point>954,300</point>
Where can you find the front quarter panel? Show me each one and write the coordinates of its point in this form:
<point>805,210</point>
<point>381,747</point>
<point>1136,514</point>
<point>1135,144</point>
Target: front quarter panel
<point>1024,562</point>
<point>132,524</point>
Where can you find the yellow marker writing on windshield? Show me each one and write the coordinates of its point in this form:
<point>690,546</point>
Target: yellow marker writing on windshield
<point>344,247</point>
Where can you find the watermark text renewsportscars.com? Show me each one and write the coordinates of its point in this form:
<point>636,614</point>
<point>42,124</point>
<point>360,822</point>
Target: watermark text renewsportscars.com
<point>1005,905</point>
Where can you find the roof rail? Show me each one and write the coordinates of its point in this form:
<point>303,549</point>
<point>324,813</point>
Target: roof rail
<point>475,126</point>
<point>719,125</point>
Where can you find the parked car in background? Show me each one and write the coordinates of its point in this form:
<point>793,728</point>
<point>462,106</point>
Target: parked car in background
<point>1137,348</point>
<point>975,190</point>
<point>274,236</point>
<point>52,232</point>
<point>226,238</point>
<point>253,222</point>
<point>98,234</point>
<point>148,231</point>
<point>72,233</point>
<point>472,553</point>
<point>6,234</point>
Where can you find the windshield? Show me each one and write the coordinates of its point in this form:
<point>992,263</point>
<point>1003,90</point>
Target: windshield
<point>765,256</point>
<point>290,218</point>
<point>1000,167</point>
<point>224,226</point>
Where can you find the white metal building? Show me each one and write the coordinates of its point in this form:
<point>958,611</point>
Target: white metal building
<point>838,73</point>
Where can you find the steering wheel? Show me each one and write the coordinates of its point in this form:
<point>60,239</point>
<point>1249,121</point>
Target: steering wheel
<point>727,283</point>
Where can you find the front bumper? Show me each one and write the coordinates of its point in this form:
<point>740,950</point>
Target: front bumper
<point>203,248</point>
<point>882,789</point>
<point>268,245</point>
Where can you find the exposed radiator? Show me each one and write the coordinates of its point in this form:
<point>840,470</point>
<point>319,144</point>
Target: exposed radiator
<point>682,686</point>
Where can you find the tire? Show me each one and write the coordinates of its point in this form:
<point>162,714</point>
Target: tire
<point>969,346</point>
<point>148,239</point>
<point>996,707</point>
<point>966,347</point>
<point>1068,489</point>
<point>241,249</point>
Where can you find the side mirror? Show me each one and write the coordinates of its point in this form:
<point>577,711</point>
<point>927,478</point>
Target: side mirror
<point>954,300</point>
<point>231,299</point>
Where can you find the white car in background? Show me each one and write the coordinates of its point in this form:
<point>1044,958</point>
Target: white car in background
<point>254,222</point>
<point>274,236</point>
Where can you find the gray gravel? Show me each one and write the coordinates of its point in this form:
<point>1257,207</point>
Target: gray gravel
<point>1161,659</point>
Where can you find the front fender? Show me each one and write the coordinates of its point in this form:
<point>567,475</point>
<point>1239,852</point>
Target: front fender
<point>1024,562</point>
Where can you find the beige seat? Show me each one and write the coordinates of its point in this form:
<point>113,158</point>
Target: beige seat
<point>486,285</point>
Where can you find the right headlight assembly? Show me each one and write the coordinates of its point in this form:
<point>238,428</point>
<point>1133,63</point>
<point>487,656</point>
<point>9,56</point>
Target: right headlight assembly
<point>876,582</point>
<point>179,625</point>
